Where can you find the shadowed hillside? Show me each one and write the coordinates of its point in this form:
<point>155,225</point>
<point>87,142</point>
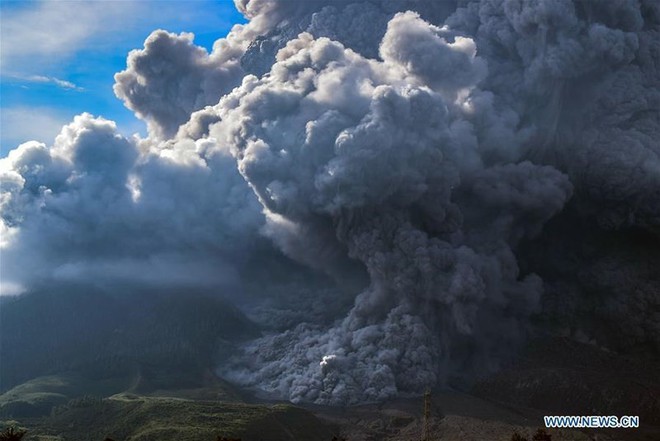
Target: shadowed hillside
<point>166,337</point>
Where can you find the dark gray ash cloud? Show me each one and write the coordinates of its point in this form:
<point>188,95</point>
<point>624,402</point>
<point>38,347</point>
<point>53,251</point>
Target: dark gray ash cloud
<point>330,139</point>
<point>453,177</point>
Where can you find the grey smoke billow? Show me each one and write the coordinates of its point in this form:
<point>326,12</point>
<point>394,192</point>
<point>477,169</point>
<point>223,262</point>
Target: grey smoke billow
<point>171,77</point>
<point>585,75</point>
<point>331,138</point>
<point>92,207</point>
<point>455,175</point>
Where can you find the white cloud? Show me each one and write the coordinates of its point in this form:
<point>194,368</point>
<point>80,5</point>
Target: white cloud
<point>21,124</point>
<point>64,84</point>
<point>10,289</point>
<point>53,30</point>
<point>44,79</point>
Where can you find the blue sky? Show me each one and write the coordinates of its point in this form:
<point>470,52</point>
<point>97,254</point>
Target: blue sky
<point>58,58</point>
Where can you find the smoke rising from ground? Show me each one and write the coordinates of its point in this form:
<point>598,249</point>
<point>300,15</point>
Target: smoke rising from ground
<point>474,169</point>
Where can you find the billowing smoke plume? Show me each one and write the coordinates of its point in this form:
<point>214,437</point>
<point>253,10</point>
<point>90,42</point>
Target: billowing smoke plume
<point>386,156</point>
<point>488,166</point>
<point>94,207</point>
<point>171,77</point>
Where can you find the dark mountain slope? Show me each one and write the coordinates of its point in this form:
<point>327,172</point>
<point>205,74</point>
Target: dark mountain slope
<point>168,337</point>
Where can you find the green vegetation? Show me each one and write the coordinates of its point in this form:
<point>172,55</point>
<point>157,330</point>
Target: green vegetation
<point>138,418</point>
<point>38,396</point>
<point>43,395</point>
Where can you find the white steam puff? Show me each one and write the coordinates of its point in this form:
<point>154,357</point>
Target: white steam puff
<point>451,155</point>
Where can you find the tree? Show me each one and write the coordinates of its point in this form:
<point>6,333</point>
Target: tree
<point>541,435</point>
<point>11,434</point>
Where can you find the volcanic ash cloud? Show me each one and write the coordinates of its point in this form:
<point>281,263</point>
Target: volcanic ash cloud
<point>393,189</point>
<point>386,154</point>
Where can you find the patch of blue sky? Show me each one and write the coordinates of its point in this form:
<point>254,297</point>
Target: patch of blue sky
<point>59,57</point>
